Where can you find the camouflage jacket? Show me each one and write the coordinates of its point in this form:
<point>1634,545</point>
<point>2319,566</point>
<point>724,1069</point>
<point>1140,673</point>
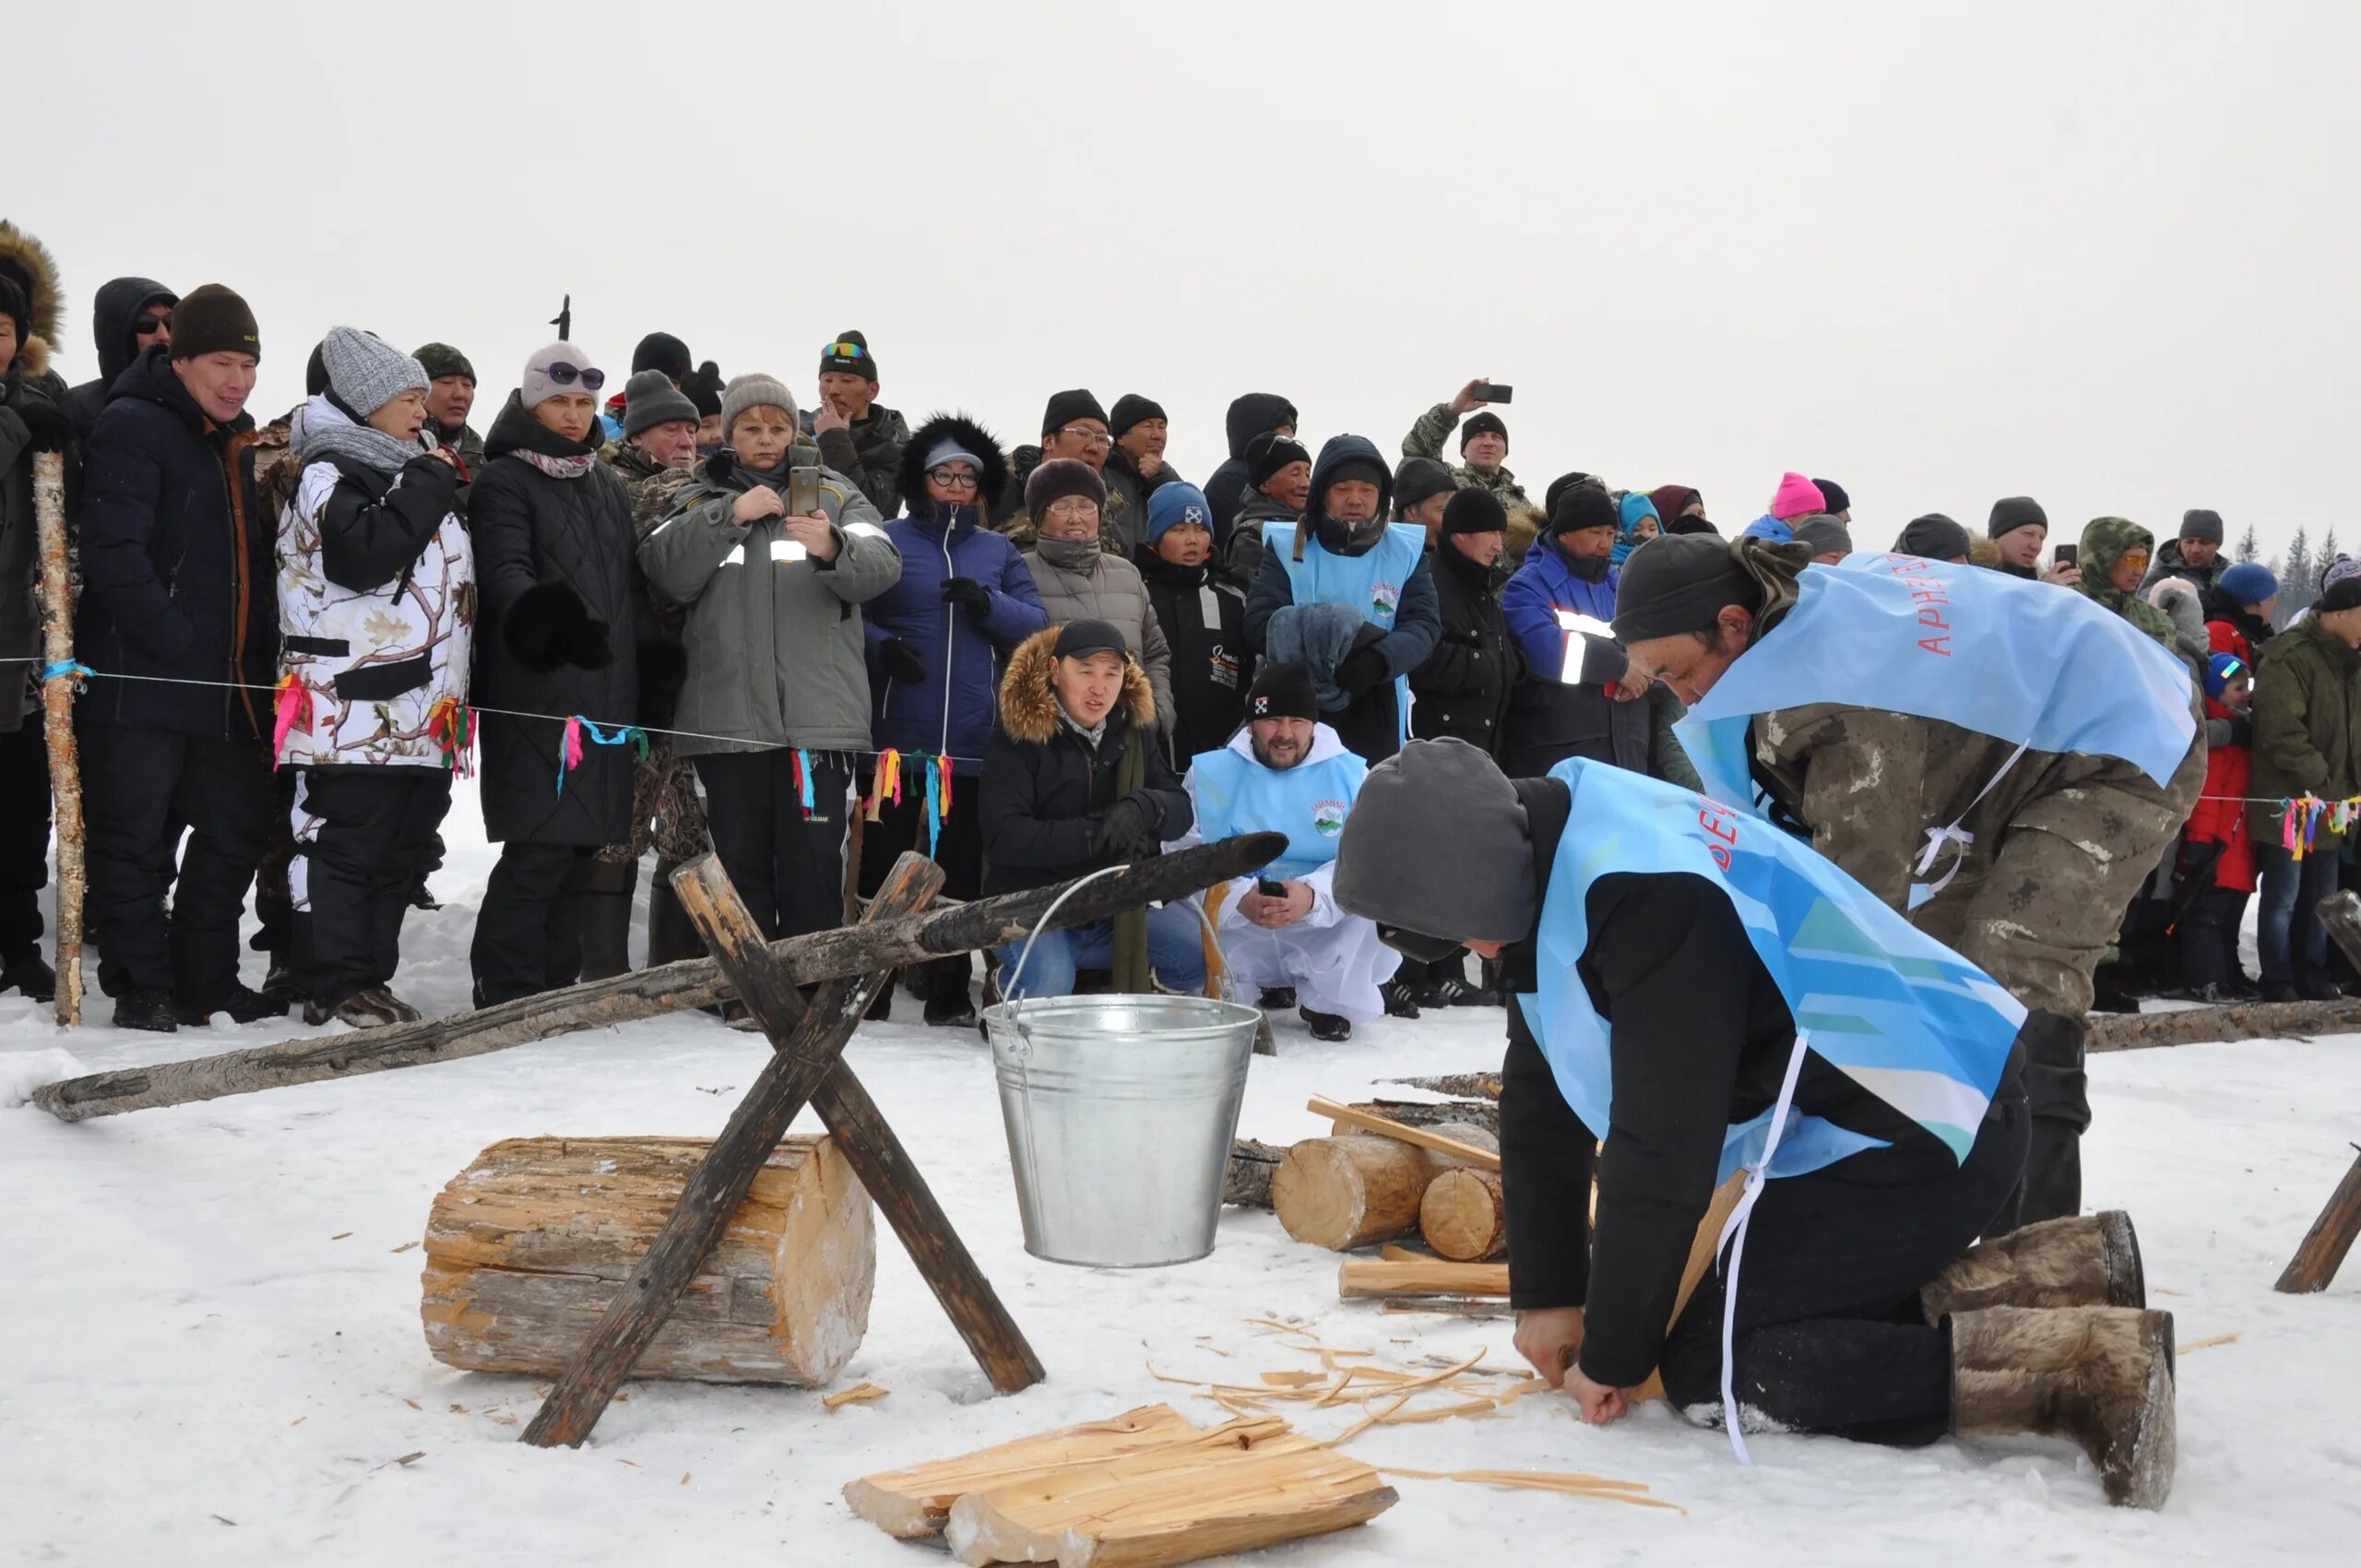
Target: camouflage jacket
<point>653,489</point>
<point>1425,440</point>
<point>2104,543</point>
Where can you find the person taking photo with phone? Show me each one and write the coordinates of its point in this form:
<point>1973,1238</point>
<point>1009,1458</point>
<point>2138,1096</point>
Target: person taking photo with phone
<point>1483,452</point>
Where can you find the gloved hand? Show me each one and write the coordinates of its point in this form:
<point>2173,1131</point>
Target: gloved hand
<point>1125,825</point>
<point>1362,670</point>
<point>969,592</point>
<point>46,428</point>
<point>901,660</point>
<point>550,626</point>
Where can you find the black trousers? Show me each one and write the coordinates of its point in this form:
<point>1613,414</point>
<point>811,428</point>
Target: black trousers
<point>138,787</point>
<point>959,851</point>
<point>1830,1336</point>
<point>788,868</point>
<point>360,833</point>
<point>2209,937</point>
<point>528,934</point>
<point>23,836</point>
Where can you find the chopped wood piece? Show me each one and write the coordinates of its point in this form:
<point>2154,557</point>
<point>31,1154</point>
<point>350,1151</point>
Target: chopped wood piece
<point>1445,1306</point>
<point>1458,1148</point>
<point>1169,1506</point>
<point>859,1393</point>
<point>526,1248</point>
<point>1252,1166</point>
<point>1464,1216</point>
<point>1365,1279</point>
<point>2330,1239</point>
<point>914,1502</point>
<point>1348,1192</point>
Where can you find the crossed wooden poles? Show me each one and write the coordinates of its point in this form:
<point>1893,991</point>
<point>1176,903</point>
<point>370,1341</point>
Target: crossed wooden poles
<point>806,1067</point>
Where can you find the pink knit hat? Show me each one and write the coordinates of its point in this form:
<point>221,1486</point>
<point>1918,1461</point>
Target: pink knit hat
<point>1796,497</point>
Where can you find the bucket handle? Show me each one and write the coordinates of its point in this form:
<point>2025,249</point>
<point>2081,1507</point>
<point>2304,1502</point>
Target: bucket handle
<point>1016,1011</point>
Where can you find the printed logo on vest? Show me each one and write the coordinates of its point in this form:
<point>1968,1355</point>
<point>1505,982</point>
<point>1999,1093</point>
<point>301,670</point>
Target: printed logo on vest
<point>1328,818</point>
<point>1383,599</point>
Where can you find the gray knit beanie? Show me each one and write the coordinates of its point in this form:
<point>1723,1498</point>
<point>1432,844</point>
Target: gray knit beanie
<point>365,372</point>
<point>2201,523</point>
<point>754,390</point>
<point>1824,534</point>
<point>650,399</point>
<point>537,386</point>
<point>1438,843</point>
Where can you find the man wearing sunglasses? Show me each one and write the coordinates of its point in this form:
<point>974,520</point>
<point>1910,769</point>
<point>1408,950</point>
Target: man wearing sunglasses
<point>132,314</point>
<point>857,437</point>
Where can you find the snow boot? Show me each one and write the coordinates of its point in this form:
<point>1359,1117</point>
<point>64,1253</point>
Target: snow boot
<point>946,992</point>
<point>1275,998</point>
<point>243,1003</point>
<point>671,935</point>
<point>1399,1001</point>
<point>2101,1377</point>
<point>1326,1026</point>
<point>2075,1262</point>
<point>28,975</point>
<point>149,1008</point>
<point>606,919</point>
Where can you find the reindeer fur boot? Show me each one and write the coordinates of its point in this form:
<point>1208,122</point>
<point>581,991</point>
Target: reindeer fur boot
<point>2101,1377</point>
<point>2085,1261</point>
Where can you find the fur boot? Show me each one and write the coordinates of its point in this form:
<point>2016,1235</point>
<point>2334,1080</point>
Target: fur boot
<point>2101,1377</point>
<point>2081,1261</point>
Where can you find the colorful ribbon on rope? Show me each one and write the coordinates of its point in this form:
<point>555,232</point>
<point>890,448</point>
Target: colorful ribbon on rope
<point>295,712</point>
<point>2300,820</point>
<point>888,784</point>
<point>65,667</point>
<point>569,755</point>
<point>452,725</point>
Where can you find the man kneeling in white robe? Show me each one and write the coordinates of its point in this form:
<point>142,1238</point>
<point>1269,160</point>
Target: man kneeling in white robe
<point>1286,772</point>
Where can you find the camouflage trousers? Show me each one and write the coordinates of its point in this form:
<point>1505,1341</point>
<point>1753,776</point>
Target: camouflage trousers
<point>666,814</point>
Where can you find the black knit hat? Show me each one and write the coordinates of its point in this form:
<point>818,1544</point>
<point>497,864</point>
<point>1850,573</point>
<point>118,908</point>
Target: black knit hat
<point>704,387</point>
<point>1559,485</point>
<point>1420,480</point>
<point>2013,512</point>
<point>1131,409</point>
<point>662,350</point>
<point>1833,497</point>
<point>1267,454</point>
<point>2343,594</point>
<point>1284,690</point>
<point>316,369</point>
<point>1934,537</point>
<point>1064,408</point>
<point>211,320</point>
<point>1677,584</point>
<point>1056,480</point>
<point>441,360</point>
<point>1474,510</point>
<point>848,354</point>
<point>1486,422</point>
<point>1584,506</point>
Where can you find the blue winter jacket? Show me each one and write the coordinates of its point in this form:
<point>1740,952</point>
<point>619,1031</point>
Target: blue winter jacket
<point>1543,585</point>
<point>964,651</point>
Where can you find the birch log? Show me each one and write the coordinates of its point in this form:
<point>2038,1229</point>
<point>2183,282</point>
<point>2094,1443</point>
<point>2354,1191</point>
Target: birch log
<point>57,721</point>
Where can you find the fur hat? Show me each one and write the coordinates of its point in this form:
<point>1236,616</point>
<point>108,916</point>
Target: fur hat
<point>26,262</point>
<point>1060,478</point>
<point>963,434</point>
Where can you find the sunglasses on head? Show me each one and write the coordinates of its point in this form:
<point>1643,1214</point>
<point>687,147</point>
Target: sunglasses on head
<point>565,375</point>
<point>846,351</point>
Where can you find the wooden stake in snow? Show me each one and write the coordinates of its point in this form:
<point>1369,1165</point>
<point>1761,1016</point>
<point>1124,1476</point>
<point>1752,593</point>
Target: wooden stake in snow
<point>57,721</point>
<point>2330,1237</point>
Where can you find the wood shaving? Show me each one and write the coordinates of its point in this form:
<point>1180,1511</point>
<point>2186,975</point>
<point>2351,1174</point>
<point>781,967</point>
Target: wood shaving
<point>1569,1483</point>
<point>857,1394</point>
<point>2208,1343</point>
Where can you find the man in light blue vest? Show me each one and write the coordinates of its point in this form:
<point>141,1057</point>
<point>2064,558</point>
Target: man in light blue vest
<point>2003,763</point>
<point>1344,552</point>
<point>1710,996</point>
<point>1286,772</point>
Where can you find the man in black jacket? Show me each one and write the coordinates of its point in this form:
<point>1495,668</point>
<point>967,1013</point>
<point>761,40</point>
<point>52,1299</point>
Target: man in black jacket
<point>1204,617</point>
<point>1073,782</point>
<point>131,316</point>
<point>179,616</point>
<point>1463,688</point>
<point>1863,1313</point>
<point>1255,413</point>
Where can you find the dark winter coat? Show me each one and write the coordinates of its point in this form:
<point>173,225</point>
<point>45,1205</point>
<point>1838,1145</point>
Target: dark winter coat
<point>1249,417</point>
<point>1127,494</point>
<point>1241,555</point>
<point>119,304</point>
<point>2169,564</point>
<point>1463,689</point>
<point>1046,786</point>
<point>952,711</point>
<point>870,454</point>
<point>2307,724</point>
<point>1204,617</point>
<point>179,577</point>
<point>531,529</point>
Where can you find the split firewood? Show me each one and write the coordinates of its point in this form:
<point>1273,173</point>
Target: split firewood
<point>2330,1239</point>
<point>1463,1150</point>
<point>913,1503</point>
<point>1252,1166</point>
<point>526,1246</point>
<point>1360,1279</point>
<point>1446,1306</point>
<point>1170,1506</point>
<point>1347,1192</point>
<point>1464,1216</point>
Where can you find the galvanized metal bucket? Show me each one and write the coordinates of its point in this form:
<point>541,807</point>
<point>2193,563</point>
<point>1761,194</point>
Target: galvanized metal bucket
<point>1120,1112</point>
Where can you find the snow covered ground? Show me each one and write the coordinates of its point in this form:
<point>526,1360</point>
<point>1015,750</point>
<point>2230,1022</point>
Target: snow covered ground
<point>210,1351</point>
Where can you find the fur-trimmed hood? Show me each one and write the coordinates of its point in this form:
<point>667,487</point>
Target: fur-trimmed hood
<point>27,261</point>
<point>1028,709</point>
<point>991,484</point>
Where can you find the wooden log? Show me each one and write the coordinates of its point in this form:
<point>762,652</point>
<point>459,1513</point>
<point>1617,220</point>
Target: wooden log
<point>526,1247</point>
<point>1424,1137</point>
<point>2239,1020</point>
<point>1483,1113</point>
<point>2330,1239</point>
<point>647,994</point>
<point>1464,1216</point>
<point>914,1502</point>
<point>1362,1279</point>
<point>56,586</point>
<point>1170,1505</point>
<point>868,1142</point>
<point>1355,1188</point>
<point>780,1091</point>
<point>1469,1086</point>
<point>1252,1167</point>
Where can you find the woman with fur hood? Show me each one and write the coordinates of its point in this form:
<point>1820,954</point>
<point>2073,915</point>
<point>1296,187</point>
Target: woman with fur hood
<point>937,642</point>
<point>1073,782</point>
<point>376,606</point>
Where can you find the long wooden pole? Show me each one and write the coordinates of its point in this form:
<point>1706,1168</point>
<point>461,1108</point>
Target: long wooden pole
<point>57,720</point>
<point>720,1181</point>
<point>647,994</point>
<point>862,1135</point>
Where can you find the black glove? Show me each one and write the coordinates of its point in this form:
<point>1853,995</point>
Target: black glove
<point>1125,824</point>
<point>548,626</point>
<point>1362,671</point>
<point>46,427</point>
<point>901,660</point>
<point>969,592</point>
<point>663,671</point>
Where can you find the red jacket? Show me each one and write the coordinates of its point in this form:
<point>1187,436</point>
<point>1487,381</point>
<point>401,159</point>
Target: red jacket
<point>2221,814</point>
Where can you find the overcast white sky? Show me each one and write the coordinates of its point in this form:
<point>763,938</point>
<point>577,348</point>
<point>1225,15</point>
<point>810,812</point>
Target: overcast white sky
<point>2102,253</point>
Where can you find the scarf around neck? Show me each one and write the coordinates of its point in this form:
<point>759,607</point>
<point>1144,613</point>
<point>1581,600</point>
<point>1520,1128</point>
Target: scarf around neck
<point>558,467</point>
<point>326,431</point>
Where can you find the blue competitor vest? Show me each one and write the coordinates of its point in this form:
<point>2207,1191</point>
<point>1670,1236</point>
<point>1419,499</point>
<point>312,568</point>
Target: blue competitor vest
<point>2023,662</point>
<point>1371,583</point>
<point>1307,802</point>
<point>1900,1014</point>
